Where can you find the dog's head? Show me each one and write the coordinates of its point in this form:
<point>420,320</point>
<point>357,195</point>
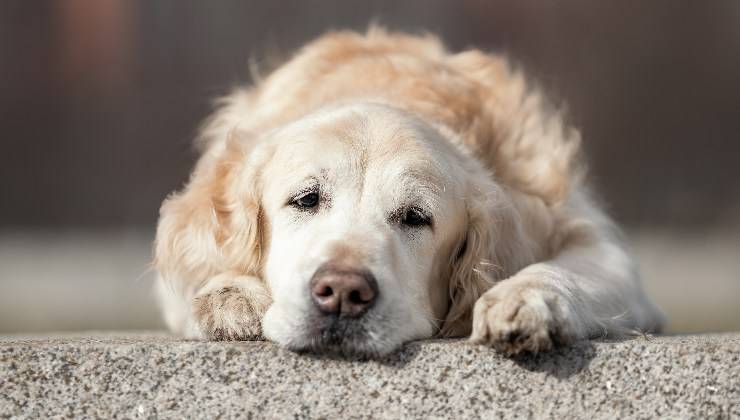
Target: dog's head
<point>369,226</point>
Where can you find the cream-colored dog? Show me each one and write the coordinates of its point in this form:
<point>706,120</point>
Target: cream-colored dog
<point>377,189</point>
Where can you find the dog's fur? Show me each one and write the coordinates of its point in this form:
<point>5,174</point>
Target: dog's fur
<point>516,254</point>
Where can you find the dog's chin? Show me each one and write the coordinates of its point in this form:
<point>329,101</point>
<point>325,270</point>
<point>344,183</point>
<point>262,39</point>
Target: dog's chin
<point>347,338</point>
<point>335,337</point>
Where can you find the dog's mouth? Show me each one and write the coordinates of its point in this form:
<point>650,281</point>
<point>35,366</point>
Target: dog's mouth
<point>345,337</point>
<point>372,335</point>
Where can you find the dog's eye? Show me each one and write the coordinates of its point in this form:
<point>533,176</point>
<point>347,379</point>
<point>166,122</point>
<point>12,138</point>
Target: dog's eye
<point>414,217</point>
<point>306,201</point>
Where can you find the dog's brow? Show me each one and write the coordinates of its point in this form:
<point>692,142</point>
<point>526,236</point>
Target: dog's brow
<point>307,185</point>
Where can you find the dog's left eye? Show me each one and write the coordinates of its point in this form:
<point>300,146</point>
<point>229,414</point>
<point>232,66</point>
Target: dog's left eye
<point>414,217</point>
<point>306,201</point>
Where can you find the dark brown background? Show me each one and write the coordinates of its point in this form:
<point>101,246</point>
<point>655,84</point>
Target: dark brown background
<point>100,99</point>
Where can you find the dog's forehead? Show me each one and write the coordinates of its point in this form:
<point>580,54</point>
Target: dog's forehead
<point>362,137</point>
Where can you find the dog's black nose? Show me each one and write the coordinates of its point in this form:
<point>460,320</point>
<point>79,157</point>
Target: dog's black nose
<point>343,291</point>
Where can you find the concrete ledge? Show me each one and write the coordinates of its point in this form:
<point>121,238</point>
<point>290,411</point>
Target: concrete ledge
<point>156,376</point>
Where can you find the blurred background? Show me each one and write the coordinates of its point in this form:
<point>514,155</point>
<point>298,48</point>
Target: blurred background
<point>100,101</point>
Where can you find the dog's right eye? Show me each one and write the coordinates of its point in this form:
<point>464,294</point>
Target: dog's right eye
<point>306,201</point>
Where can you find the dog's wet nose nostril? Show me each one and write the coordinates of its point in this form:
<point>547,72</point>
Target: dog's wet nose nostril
<point>324,291</point>
<point>347,293</point>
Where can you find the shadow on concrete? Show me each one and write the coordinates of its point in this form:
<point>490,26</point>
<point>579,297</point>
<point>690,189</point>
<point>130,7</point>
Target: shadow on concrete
<point>397,359</point>
<point>562,362</point>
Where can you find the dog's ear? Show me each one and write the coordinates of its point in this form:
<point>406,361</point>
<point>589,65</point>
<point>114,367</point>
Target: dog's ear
<point>213,225</point>
<point>494,247</point>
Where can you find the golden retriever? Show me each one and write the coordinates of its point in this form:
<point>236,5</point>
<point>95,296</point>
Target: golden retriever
<point>377,189</point>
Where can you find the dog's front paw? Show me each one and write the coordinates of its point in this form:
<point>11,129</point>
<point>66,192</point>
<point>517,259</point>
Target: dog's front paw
<point>517,317</point>
<point>230,313</point>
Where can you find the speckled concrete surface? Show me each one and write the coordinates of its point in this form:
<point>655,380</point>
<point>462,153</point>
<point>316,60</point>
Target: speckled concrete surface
<point>141,375</point>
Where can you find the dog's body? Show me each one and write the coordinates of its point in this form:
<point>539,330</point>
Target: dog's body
<point>377,189</point>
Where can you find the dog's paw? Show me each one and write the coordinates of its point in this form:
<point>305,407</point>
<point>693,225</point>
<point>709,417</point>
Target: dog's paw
<point>230,313</point>
<point>518,318</point>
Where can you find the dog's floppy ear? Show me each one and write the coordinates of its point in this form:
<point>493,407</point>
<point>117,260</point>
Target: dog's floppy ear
<point>494,247</point>
<point>213,225</point>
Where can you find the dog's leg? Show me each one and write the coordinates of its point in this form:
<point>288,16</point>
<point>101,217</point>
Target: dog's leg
<point>231,307</point>
<point>589,289</point>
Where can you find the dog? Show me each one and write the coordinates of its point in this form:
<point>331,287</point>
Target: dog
<point>377,189</point>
